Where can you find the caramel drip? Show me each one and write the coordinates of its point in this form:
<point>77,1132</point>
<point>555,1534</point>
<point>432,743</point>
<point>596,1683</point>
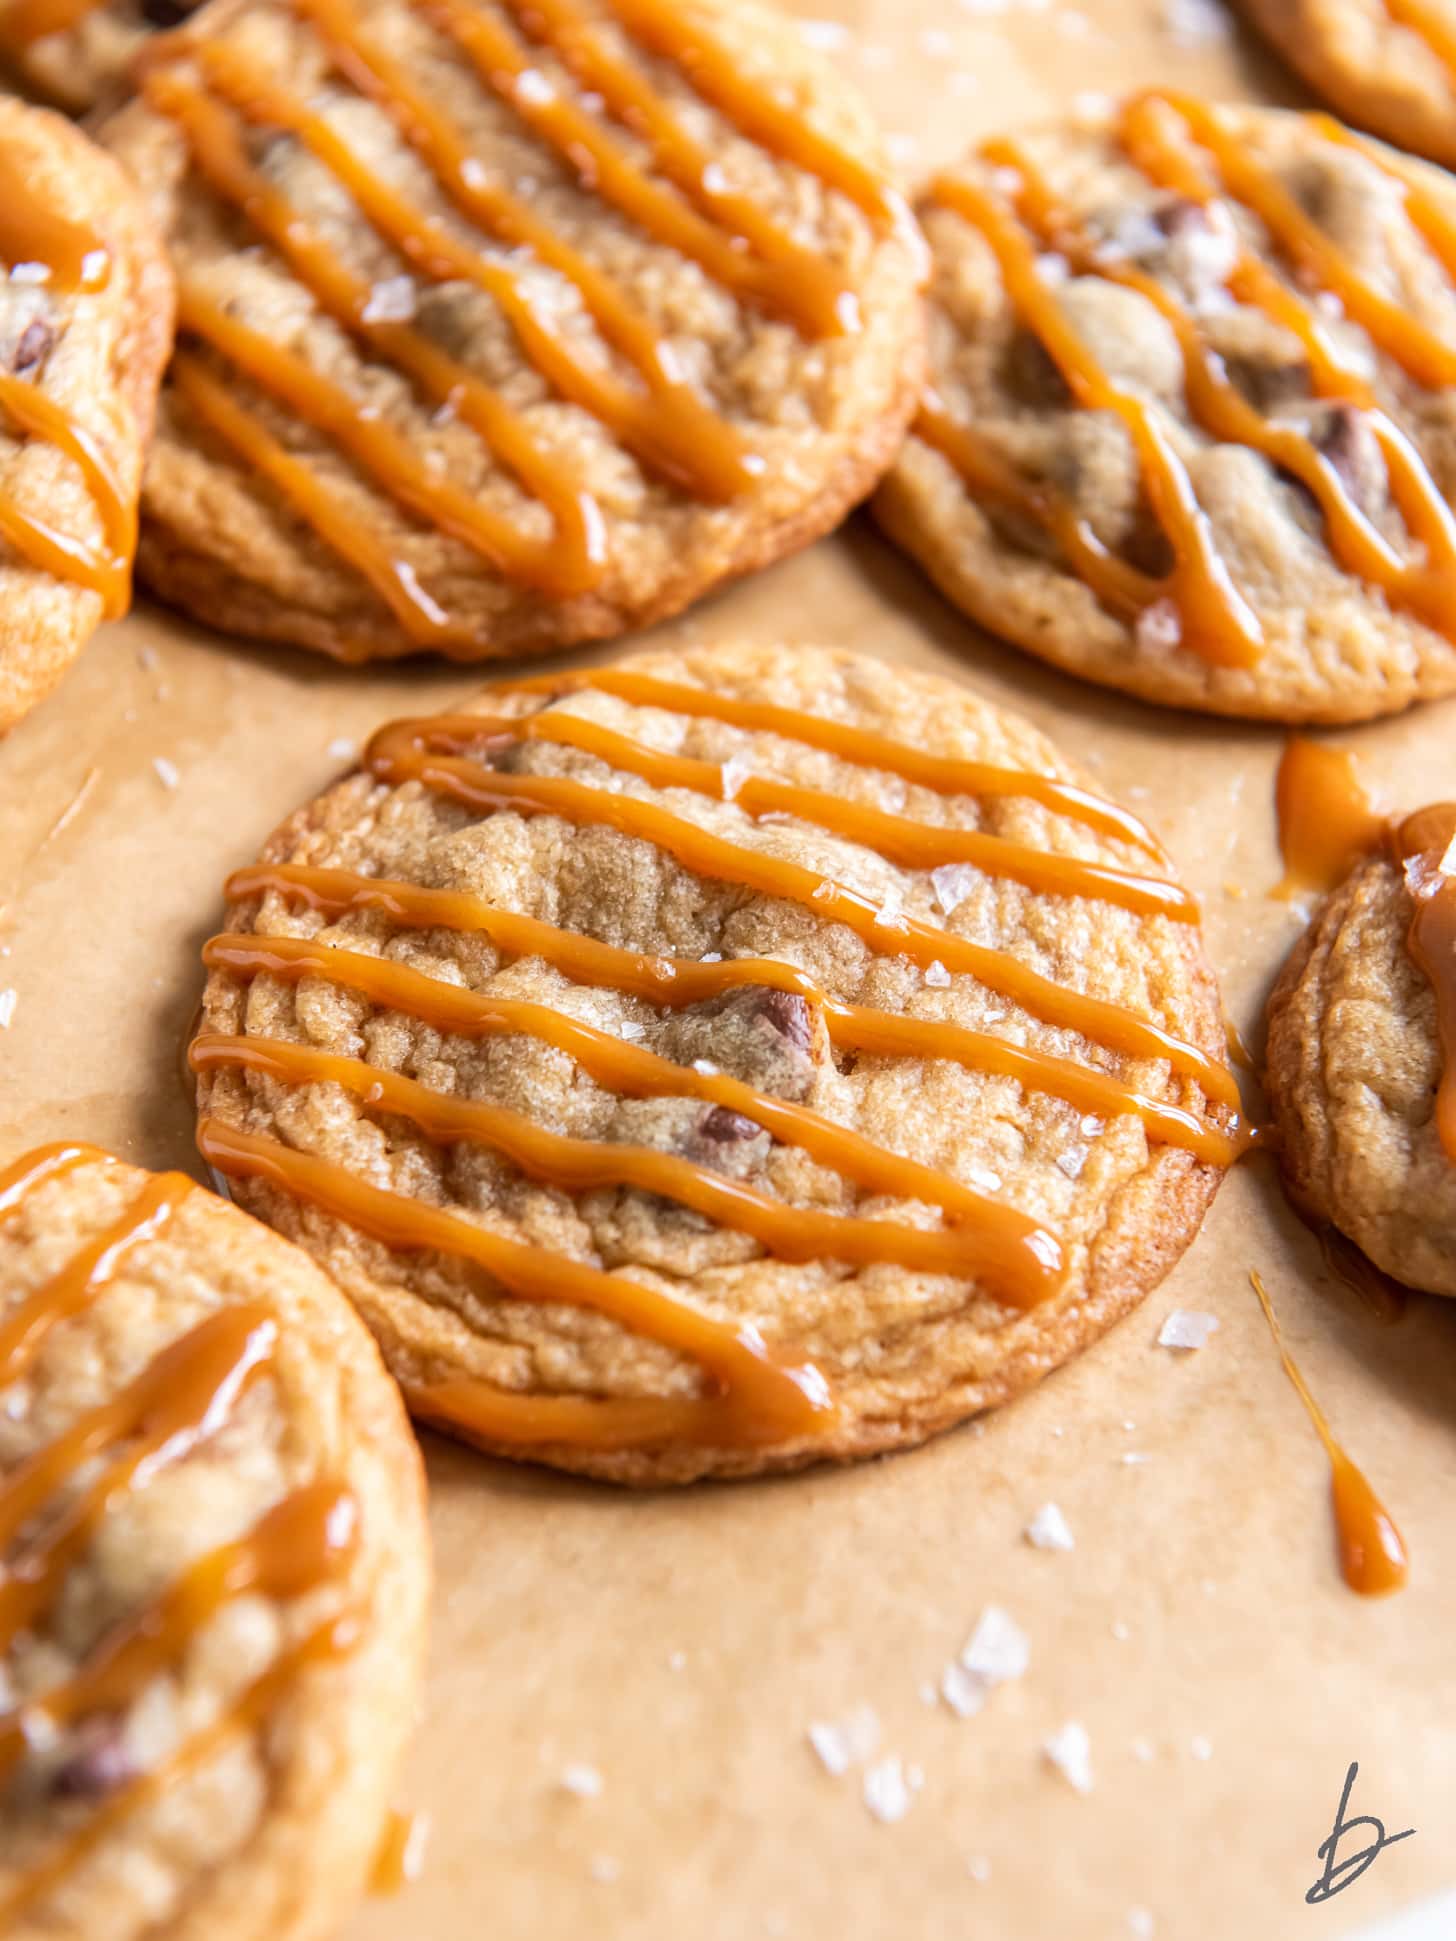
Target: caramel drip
<point>674,982</point>
<point>1432,24</point>
<point>1327,820</point>
<point>303,1542</point>
<point>1428,589</point>
<point>761,1398</point>
<point>859,747</point>
<point>804,290</point>
<point>398,754</point>
<point>667,425</point>
<point>825,299</point>
<point>1428,839</point>
<point>179,1400</point>
<point>913,845</point>
<point>1021,1261</point>
<point>1216,620</point>
<point>72,256</point>
<point>325,1645</point>
<point>1372,1551</point>
<point>780,127</point>
<point>184,1395</point>
<point>400,1853</point>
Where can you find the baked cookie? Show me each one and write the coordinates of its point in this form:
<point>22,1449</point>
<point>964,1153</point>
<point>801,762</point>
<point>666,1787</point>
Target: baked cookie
<point>1362,1056</point>
<point>85,328</point>
<point>212,1613</point>
<point>718,1062</point>
<point>79,54</point>
<point>507,326</point>
<point>1191,424</point>
<point>1389,65</point>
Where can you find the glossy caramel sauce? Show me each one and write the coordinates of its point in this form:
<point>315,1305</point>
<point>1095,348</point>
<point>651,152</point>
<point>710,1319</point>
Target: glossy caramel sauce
<point>753,1394</point>
<point>1372,1551</point>
<point>217,96</point>
<point>1327,820</point>
<point>1185,147</point>
<point>69,259</point>
<point>1433,23</point>
<point>63,1491</point>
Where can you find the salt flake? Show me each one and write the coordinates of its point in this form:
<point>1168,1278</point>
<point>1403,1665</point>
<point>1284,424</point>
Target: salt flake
<point>1185,1328</point>
<point>963,1691</point>
<point>734,773</point>
<point>846,1742</point>
<point>936,974</point>
<point>952,883</point>
<point>8,1002</point>
<point>887,1793</point>
<point>391,300</point>
<point>978,1867</point>
<point>166,771</point>
<point>585,1782</point>
<point>342,749</point>
<point>1049,1530</point>
<point>998,1649</point>
<point>1070,1751</point>
<point>1139,1922</point>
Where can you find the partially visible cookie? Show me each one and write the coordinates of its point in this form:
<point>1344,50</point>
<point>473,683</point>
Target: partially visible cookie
<point>718,1062</point>
<point>79,54</point>
<point>1386,65</point>
<point>1362,1057</point>
<point>1191,424</point>
<point>85,328</point>
<point>216,1567</point>
<point>510,325</point>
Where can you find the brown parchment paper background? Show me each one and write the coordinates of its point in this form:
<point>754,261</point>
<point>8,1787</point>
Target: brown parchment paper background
<point>681,1643</point>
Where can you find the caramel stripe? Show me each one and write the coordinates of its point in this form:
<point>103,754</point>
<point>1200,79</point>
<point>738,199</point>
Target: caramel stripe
<point>859,747</point>
<point>180,1399</point>
<point>495,1417</point>
<point>1431,835</point>
<point>31,231</point>
<point>1217,622</point>
<point>328,1643</point>
<point>422,619</point>
<point>678,981</point>
<point>808,296</point>
<point>913,845</point>
<point>32,1170</point>
<point>296,1546</point>
<point>637,1073</point>
<point>1019,1260</point>
<point>686,439</point>
<point>765,1398</point>
<point>629,97</point>
<point>25,21</point>
<point>1432,24</point>
<point>394,757</point>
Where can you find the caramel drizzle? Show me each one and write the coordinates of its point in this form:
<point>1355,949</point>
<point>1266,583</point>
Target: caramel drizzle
<point>1327,822</point>
<point>1215,619</point>
<point>178,1400</point>
<point>1372,1552</point>
<point>660,417</point>
<point>1432,24</point>
<point>74,261</point>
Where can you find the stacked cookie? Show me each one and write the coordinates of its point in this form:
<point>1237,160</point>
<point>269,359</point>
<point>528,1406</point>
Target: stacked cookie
<point>714,1062</point>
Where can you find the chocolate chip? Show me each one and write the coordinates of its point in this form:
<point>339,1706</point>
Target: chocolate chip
<point>1267,383</point>
<point>788,1014</point>
<point>100,1763</point>
<point>722,1126</point>
<point>35,345</point>
<point>1147,547</point>
<point>1031,375</point>
<point>1346,439</point>
<point>167,13</point>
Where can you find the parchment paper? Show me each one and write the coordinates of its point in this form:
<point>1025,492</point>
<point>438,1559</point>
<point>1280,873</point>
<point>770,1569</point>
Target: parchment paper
<point>680,1644</point>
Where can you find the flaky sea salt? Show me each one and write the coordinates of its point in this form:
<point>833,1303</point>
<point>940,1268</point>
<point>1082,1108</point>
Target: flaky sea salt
<point>1049,1530</point>
<point>604,1870</point>
<point>1200,1747</point>
<point>936,974</point>
<point>978,1867</point>
<point>1132,1457</point>
<point>846,1742</point>
<point>1159,628</point>
<point>1071,1161</point>
<point>998,1649</point>
<point>826,35</point>
<point>533,88</point>
<point>8,1002</point>
<point>1194,23</point>
<point>705,1067</point>
<point>1185,1328</point>
<point>342,749</point>
<point>734,773</point>
<point>391,300</point>
<point>166,771</point>
<point>1142,1750</point>
<point>1070,1751</point>
<point>1139,1923</point>
<point>888,1795</point>
<point>952,883</point>
<point>1120,1630</point>
<point>584,1782</point>
<point>963,1691</point>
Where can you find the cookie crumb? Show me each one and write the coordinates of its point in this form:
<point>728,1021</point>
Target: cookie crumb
<point>8,1002</point>
<point>1186,1328</point>
<point>888,1795</point>
<point>846,1742</point>
<point>167,773</point>
<point>1070,1750</point>
<point>998,1649</point>
<point>1049,1530</point>
<point>583,1781</point>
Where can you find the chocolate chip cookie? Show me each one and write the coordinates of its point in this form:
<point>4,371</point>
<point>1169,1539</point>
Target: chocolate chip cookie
<point>80,54</point>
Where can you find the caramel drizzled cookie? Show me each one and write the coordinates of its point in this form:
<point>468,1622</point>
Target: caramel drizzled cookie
<point>85,327</point>
<point>1388,65</point>
<point>506,326</point>
<point>718,1061</point>
<point>80,54</point>
<point>1191,424</point>
<point>212,1610</point>
<point>1362,1054</point>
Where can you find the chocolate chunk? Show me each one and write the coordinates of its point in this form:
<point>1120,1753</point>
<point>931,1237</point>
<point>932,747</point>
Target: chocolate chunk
<point>99,1764</point>
<point>167,13</point>
<point>1345,437</point>
<point>1267,382</point>
<point>722,1126</point>
<point>36,343</point>
<point>1031,375</point>
<point>788,1014</point>
<point>1147,547</point>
